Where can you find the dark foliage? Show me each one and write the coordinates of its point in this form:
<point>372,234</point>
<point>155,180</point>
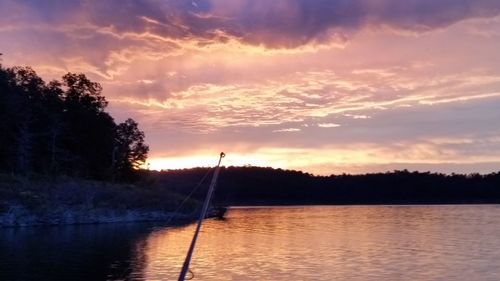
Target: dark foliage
<point>130,152</point>
<point>62,128</point>
<point>268,186</point>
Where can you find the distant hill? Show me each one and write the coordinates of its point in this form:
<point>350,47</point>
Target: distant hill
<point>268,186</point>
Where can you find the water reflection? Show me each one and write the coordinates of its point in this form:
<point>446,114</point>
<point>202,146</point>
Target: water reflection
<point>90,252</point>
<point>336,243</point>
<point>310,243</point>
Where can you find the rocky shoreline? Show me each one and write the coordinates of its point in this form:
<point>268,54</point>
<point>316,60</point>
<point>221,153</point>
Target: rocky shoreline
<point>19,216</point>
<point>25,202</point>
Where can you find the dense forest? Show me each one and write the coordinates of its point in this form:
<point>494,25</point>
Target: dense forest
<point>62,128</point>
<point>268,186</point>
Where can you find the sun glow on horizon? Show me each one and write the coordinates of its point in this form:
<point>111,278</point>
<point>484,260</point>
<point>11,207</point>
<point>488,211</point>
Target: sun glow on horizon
<point>328,160</point>
<point>186,162</point>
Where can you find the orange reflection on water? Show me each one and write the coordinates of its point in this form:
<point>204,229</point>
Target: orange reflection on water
<point>334,243</point>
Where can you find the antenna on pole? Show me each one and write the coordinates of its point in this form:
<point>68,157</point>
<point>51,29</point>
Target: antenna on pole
<point>203,214</point>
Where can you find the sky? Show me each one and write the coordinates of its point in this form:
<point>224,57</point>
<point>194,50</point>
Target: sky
<point>323,86</point>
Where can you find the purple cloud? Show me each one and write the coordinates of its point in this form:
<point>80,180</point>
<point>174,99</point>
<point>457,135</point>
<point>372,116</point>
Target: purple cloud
<point>277,23</point>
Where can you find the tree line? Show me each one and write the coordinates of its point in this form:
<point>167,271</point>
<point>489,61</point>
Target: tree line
<point>268,186</point>
<point>61,127</point>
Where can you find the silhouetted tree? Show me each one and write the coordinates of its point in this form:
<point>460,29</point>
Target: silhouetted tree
<point>24,105</point>
<point>7,135</point>
<point>91,129</point>
<point>55,124</point>
<point>130,151</point>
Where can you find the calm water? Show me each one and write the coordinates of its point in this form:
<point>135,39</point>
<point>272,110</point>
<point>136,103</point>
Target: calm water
<point>300,243</point>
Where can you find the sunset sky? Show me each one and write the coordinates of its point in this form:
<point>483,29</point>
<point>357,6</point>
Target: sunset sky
<point>325,86</point>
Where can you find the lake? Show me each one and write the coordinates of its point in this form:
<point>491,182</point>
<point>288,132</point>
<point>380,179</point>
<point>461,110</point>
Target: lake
<point>442,242</point>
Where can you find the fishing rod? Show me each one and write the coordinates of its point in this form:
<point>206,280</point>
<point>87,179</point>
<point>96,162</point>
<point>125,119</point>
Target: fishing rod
<point>203,214</point>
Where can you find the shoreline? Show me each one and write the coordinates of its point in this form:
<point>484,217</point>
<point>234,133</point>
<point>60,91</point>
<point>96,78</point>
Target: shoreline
<point>28,202</point>
<point>19,216</point>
